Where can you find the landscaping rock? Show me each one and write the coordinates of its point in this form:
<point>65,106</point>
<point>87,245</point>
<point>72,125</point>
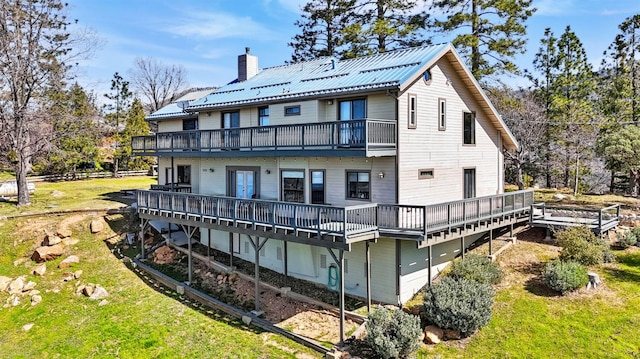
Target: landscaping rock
<point>450,334</point>
<point>13,300</point>
<point>19,261</point>
<point>97,225</point>
<point>16,286</point>
<point>164,255</point>
<point>35,300</point>
<point>103,302</point>
<point>433,334</point>
<point>77,274</point>
<point>99,293</point>
<point>64,233</point>
<point>559,196</point>
<point>69,261</point>
<point>67,277</point>
<point>46,253</point>
<point>4,283</point>
<point>88,289</point>
<point>27,327</point>
<point>51,239</point>
<point>40,269</point>
<point>29,286</point>
<point>70,241</point>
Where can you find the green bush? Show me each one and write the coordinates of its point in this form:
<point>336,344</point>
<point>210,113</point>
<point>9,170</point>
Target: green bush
<point>392,334</point>
<point>579,244</point>
<point>459,304</point>
<point>477,268</point>
<point>627,239</point>
<point>636,232</point>
<point>564,277</point>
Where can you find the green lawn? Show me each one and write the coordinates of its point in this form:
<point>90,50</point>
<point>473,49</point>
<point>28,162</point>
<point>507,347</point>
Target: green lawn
<point>139,320</point>
<point>93,193</point>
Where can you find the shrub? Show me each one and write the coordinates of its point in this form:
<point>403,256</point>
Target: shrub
<point>459,304</point>
<point>564,277</point>
<point>627,239</point>
<point>477,268</point>
<point>392,334</point>
<point>579,244</point>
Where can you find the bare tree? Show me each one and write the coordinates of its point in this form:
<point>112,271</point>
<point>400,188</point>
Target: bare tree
<point>36,52</point>
<point>157,83</point>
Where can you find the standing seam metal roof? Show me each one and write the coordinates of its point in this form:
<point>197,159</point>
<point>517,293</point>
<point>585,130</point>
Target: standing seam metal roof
<point>323,76</point>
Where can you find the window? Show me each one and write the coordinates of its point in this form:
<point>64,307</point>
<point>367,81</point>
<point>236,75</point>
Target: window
<point>263,116</point>
<point>292,111</point>
<point>190,124</point>
<point>358,185</point>
<point>469,128</point>
<point>353,109</point>
<point>184,174</point>
<point>425,173</point>
<point>231,138</point>
<point>352,132</point>
<point>469,182</point>
<point>442,114</point>
<point>426,76</point>
<point>413,111</point>
<point>292,185</point>
<point>317,186</point>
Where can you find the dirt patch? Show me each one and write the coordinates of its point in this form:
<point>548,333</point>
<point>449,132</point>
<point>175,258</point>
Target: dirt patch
<point>70,221</point>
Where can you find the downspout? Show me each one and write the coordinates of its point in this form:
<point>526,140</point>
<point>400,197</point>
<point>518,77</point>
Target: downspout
<point>398,242</point>
<point>500,167</point>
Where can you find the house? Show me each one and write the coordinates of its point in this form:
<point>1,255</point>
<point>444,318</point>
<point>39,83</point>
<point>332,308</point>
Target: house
<point>366,175</point>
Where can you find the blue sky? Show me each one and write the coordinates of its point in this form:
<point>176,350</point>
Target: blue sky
<point>205,36</point>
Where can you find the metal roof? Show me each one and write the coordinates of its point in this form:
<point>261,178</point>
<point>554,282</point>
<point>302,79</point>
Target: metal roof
<point>323,76</point>
<point>172,110</point>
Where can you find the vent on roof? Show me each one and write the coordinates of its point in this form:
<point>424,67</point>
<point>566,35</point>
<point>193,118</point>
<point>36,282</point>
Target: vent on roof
<point>228,91</point>
<point>390,67</point>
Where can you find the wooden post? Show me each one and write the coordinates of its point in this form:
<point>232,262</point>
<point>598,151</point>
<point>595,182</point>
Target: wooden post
<point>462,246</point>
<point>209,247</point>
<point>368,263</point>
<point>231,250</point>
<point>190,257</point>
<point>491,242</point>
<point>143,224</point>
<point>430,256</point>
<point>256,248</point>
<point>341,296</point>
<point>286,263</point>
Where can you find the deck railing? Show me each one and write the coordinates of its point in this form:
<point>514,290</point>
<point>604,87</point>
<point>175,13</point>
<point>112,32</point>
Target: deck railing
<point>337,221</point>
<point>446,216</point>
<point>369,134</point>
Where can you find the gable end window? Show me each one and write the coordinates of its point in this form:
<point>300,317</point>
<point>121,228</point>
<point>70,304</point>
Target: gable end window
<point>358,185</point>
<point>442,114</point>
<point>469,135</point>
<point>292,110</point>
<point>413,111</point>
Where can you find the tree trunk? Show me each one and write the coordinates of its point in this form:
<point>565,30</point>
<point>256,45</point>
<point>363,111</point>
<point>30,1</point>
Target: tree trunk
<point>612,183</point>
<point>633,182</point>
<point>22,167</point>
<point>520,179</point>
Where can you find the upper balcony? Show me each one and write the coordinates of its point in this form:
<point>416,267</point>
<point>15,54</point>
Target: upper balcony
<point>366,137</point>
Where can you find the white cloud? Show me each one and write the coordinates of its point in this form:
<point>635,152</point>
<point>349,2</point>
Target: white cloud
<point>217,26</point>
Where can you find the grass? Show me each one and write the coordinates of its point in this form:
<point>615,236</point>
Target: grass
<point>529,321</point>
<point>92,193</point>
<point>139,320</point>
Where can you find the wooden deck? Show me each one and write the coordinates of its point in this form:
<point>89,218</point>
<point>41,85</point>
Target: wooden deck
<point>599,221</point>
<point>337,227</point>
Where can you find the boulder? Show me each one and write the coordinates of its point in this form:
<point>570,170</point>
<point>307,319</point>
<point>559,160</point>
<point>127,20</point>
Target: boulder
<point>99,293</point>
<point>559,196</point>
<point>164,255</point>
<point>13,300</point>
<point>97,225</point>
<point>16,286</point>
<point>40,269</point>
<point>103,302</point>
<point>64,233</point>
<point>70,241</point>
<point>451,334</point>
<point>77,274</point>
<point>35,299</point>
<point>29,286</point>
<point>51,239</point>
<point>67,277</point>
<point>433,334</point>
<point>4,283</point>
<point>19,261</point>
<point>47,253</point>
<point>88,289</point>
<point>69,261</point>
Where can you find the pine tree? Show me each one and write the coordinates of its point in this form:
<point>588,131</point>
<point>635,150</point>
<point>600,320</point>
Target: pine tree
<point>121,102</point>
<point>496,31</point>
<point>135,125</point>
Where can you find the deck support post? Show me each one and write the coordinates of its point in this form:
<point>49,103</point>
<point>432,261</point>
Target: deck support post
<point>209,248</point>
<point>339,260</point>
<point>230,250</point>
<point>143,225</point>
<point>511,230</point>
<point>462,246</point>
<point>430,257</point>
<point>368,264</point>
<point>286,263</point>
<point>189,231</point>
<point>172,182</point>
<point>257,246</point>
<point>491,242</point>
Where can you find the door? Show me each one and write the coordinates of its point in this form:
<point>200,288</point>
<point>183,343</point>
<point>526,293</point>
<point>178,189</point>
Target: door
<point>352,133</point>
<point>245,182</point>
<point>231,135</point>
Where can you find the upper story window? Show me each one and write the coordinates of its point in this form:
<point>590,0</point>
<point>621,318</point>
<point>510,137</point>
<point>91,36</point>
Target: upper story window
<point>442,114</point>
<point>292,110</point>
<point>190,124</point>
<point>469,136</point>
<point>292,185</point>
<point>317,186</point>
<point>358,185</point>
<point>263,115</point>
<point>353,109</point>
<point>426,77</point>
<point>413,111</point>
<point>231,119</point>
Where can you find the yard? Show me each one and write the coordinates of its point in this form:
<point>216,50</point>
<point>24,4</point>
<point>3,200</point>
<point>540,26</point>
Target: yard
<point>140,320</point>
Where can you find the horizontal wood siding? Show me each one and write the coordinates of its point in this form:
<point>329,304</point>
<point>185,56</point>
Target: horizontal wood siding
<point>169,125</point>
<point>443,151</point>
<point>165,162</point>
<point>381,106</point>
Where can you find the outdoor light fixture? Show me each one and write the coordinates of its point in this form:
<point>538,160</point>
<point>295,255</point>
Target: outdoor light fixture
<point>381,175</point>
<point>212,169</point>
<point>268,171</point>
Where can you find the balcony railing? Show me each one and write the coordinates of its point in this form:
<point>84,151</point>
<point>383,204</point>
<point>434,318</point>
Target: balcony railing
<point>372,136</point>
<point>340,222</point>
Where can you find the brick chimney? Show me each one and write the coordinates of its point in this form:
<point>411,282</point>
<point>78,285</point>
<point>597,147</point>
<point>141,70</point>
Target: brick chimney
<point>247,65</point>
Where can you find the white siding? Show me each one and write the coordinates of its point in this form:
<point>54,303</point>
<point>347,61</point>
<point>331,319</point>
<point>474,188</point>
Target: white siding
<point>169,125</point>
<point>165,162</point>
<point>427,147</point>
